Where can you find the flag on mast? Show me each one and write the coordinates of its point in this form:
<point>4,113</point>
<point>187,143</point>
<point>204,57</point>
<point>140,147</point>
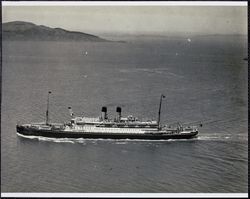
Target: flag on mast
<point>70,111</point>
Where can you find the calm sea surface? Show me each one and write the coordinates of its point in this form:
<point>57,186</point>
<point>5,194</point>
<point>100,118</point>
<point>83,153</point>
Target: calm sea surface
<point>204,80</point>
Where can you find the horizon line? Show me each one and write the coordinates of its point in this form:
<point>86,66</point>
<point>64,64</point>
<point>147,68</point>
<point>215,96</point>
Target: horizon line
<point>126,3</point>
<point>119,33</point>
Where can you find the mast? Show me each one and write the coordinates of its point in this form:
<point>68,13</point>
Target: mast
<point>159,113</point>
<point>47,111</point>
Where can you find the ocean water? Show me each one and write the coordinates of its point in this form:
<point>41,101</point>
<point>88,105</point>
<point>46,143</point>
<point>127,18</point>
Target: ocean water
<point>204,81</point>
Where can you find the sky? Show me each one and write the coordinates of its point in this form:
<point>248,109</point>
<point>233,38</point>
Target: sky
<point>159,20</point>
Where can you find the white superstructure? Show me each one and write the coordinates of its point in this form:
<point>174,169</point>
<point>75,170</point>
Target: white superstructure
<point>128,124</point>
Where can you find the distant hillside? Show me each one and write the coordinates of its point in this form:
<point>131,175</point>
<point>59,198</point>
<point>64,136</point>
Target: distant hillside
<point>19,30</point>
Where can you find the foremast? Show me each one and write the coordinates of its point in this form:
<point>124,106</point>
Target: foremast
<point>47,111</point>
<point>159,113</point>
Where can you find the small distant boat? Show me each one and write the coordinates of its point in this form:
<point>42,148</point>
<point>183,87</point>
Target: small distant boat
<point>103,127</point>
<point>85,53</point>
<point>189,40</point>
<point>246,59</point>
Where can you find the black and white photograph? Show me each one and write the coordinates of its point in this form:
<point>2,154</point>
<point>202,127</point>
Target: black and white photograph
<point>146,98</point>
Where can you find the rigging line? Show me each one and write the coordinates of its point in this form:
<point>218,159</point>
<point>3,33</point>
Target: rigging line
<point>224,130</point>
<point>207,121</point>
<point>232,120</point>
<point>222,120</point>
<point>223,125</point>
<point>218,119</point>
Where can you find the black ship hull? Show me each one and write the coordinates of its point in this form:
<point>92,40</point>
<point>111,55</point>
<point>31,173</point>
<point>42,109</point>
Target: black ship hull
<point>69,134</point>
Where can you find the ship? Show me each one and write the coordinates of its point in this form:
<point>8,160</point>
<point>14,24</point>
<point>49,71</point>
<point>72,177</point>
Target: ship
<point>103,127</point>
